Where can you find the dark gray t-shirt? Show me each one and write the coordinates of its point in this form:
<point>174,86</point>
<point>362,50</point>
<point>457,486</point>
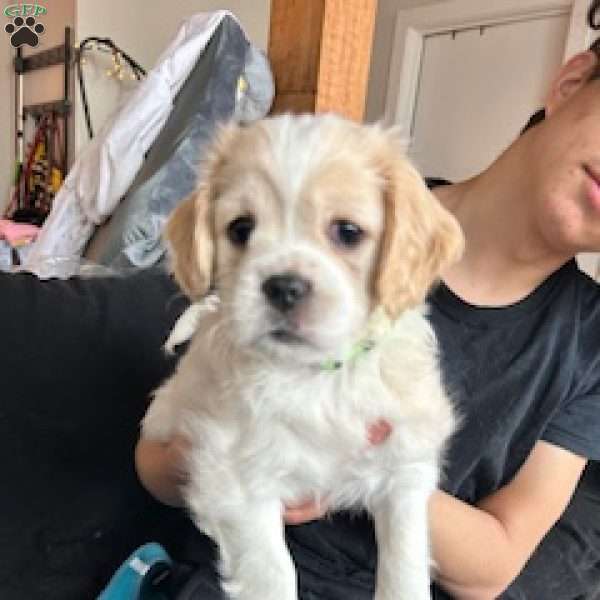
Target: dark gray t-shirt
<point>529,372</point>
<point>518,374</point>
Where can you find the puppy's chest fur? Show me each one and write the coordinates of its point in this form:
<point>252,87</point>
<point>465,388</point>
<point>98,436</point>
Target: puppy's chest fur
<point>293,432</point>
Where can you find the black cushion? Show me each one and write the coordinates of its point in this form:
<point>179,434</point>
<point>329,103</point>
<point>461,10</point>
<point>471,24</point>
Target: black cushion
<point>79,359</point>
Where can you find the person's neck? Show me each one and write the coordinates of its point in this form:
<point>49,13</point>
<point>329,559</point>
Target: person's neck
<point>505,257</point>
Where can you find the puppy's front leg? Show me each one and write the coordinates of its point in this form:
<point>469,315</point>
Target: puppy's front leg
<point>403,544</point>
<point>255,561</point>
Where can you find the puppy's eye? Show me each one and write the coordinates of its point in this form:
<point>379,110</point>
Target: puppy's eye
<point>240,230</point>
<point>345,233</point>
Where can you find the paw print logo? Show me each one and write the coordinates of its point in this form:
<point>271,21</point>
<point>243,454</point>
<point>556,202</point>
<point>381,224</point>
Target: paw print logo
<point>24,31</point>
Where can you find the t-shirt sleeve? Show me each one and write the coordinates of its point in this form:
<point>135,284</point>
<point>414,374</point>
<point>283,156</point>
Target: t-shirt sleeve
<point>576,426</point>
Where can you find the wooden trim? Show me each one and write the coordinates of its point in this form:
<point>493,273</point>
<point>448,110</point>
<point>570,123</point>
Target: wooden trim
<point>320,53</point>
<point>294,50</point>
<point>296,102</point>
<point>345,57</point>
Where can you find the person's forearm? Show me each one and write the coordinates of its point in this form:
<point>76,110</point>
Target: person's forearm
<point>480,550</point>
<point>157,468</point>
<point>471,549</point>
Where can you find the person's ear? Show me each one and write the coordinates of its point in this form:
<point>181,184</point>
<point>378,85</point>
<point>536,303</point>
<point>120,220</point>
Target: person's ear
<point>572,76</point>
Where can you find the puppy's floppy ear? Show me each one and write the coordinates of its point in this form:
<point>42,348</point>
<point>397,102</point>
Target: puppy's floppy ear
<point>189,236</point>
<point>189,230</point>
<point>420,237</point>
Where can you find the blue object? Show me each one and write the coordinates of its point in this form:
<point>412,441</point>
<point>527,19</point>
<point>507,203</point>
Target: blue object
<point>139,577</point>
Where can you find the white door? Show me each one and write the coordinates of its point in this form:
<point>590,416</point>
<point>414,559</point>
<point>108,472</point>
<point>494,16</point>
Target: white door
<point>476,90</point>
<point>466,75</point>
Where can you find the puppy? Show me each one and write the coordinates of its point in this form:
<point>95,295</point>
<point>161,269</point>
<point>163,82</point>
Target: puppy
<point>321,242</point>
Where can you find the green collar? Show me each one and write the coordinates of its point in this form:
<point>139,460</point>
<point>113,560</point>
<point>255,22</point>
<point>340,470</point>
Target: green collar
<point>377,328</point>
<point>356,351</point>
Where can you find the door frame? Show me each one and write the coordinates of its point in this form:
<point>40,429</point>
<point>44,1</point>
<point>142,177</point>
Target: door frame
<point>412,25</point>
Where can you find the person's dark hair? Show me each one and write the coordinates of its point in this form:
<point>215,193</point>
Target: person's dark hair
<point>536,117</point>
<point>593,18</point>
<point>594,15</point>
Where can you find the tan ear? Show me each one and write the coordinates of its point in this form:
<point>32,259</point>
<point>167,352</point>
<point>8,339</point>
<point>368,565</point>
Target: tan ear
<point>420,239</point>
<point>189,231</point>
<point>573,75</point>
<point>189,236</point>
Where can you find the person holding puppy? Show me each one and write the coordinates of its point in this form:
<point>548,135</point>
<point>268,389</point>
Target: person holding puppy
<point>518,326</point>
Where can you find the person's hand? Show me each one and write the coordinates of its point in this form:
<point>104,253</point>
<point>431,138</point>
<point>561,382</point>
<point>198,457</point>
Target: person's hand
<point>161,468</point>
<point>305,512</point>
<point>377,433</point>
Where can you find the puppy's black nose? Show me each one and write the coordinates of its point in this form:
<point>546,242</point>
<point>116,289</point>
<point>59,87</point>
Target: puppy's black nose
<point>284,292</point>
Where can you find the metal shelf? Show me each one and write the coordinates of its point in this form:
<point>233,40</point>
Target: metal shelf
<point>47,58</point>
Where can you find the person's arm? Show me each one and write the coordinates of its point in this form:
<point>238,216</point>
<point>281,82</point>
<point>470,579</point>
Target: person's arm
<point>480,550</point>
<point>160,469</point>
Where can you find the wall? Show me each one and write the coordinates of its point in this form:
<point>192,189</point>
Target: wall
<point>382,52</point>
<point>143,29</point>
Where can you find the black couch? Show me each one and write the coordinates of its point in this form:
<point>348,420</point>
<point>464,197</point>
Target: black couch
<point>79,360</point>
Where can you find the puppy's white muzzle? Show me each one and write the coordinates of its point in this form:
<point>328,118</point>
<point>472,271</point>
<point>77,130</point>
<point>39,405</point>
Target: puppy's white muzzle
<point>295,301</point>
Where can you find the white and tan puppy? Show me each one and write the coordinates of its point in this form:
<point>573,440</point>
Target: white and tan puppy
<point>321,242</point>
